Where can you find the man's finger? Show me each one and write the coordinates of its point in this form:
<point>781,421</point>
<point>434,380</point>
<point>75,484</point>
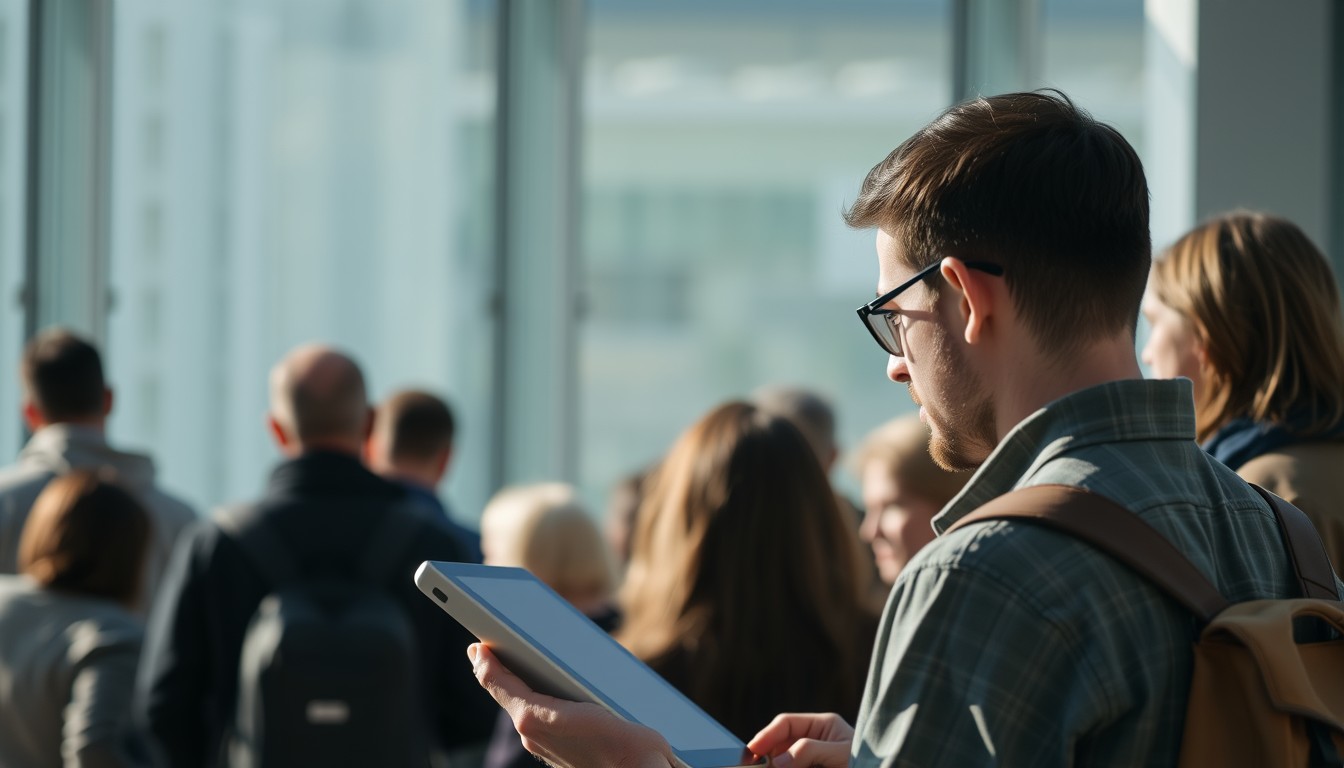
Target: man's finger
<point>496,679</point>
<point>810,753</point>
<point>786,729</point>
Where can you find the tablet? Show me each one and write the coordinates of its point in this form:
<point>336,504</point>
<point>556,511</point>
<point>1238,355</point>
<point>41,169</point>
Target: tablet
<point>557,650</point>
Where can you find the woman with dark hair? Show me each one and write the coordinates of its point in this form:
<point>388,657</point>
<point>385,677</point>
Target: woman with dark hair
<point>1247,308</point>
<point>742,566</point>
<point>68,641</point>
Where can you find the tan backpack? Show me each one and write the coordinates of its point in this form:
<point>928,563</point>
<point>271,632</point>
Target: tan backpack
<point>1261,695</point>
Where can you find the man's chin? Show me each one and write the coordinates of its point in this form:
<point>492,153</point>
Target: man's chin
<point>952,457</point>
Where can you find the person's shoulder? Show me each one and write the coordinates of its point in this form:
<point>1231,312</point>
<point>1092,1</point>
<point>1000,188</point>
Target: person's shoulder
<point>167,505</point>
<point>433,539</point>
<point>1319,461</point>
<point>22,479</point>
<point>203,537</point>
<point>991,546</point>
<point>1012,559</point>
<point>104,628</point>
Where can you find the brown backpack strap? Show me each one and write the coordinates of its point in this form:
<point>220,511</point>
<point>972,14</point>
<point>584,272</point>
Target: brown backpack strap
<point>1310,560</point>
<point>1114,530</point>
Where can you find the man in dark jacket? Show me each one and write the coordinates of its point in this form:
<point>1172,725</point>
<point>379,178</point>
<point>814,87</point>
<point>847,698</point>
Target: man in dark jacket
<point>325,506</point>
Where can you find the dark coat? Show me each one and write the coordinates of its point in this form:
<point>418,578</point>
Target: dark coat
<point>325,506</point>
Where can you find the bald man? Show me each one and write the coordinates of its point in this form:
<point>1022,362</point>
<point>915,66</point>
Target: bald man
<point>320,511</point>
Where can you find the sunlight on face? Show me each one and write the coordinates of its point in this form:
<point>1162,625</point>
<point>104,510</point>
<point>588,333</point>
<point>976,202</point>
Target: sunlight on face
<point>1174,348</point>
<point>897,523</point>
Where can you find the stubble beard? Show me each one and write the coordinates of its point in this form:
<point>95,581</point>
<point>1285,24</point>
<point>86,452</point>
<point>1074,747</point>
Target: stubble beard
<point>961,439</point>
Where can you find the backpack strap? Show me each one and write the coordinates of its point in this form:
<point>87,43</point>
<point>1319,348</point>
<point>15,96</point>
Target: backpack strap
<point>260,543</point>
<point>1305,548</point>
<point>1114,530</point>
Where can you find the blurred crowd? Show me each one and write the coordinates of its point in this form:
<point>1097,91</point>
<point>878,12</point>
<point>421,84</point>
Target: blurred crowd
<point>129,622</point>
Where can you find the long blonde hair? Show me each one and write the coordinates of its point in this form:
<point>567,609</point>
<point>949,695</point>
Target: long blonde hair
<point>742,562</point>
<point>1265,304</point>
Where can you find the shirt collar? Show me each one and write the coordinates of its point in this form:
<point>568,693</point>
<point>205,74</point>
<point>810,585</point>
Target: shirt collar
<point>1118,411</point>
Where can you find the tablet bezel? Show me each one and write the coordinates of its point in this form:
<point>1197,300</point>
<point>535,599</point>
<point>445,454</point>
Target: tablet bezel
<point>565,682</point>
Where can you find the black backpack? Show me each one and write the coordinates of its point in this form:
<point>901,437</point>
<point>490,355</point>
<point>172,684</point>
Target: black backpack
<point>328,669</point>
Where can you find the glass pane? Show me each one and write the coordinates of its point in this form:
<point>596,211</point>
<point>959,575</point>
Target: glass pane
<point>288,171</point>
<point>722,143</point>
<point>13,133</point>
<point>1093,51</point>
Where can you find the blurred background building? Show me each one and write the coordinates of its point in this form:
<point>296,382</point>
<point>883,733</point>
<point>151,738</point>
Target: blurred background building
<point>584,223</point>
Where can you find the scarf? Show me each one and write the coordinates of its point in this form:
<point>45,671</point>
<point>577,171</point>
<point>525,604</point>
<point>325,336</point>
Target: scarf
<point>1241,440</point>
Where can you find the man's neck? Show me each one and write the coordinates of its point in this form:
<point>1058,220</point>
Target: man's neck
<point>328,445</point>
<point>409,478</point>
<point>96,424</point>
<point>1025,388</point>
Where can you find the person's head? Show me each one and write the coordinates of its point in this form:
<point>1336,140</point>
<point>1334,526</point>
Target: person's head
<point>63,381</point>
<point>902,489</point>
<point>622,513</point>
<point>545,529</point>
<point>809,412</point>
<point>1034,220</point>
<point>86,535</point>
<point>412,438</point>
<point>738,522</point>
<point>318,401</point>
<point>1248,308</point>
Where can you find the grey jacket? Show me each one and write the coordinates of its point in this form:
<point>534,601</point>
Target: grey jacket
<point>67,673</point>
<point>60,448</point>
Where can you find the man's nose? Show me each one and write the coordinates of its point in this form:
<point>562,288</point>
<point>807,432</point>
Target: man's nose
<point>868,526</point>
<point>897,370</point>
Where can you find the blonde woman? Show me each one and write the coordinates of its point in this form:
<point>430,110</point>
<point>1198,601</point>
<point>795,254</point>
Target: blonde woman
<point>545,529</point>
<point>1247,308</point>
<point>902,490</point>
<point>743,585</point>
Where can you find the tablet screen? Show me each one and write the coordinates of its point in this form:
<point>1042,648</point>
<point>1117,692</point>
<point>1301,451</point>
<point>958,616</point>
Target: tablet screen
<point>626,682</point>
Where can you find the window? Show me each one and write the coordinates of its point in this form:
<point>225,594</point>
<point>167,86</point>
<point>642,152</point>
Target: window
<point>286,172</point>
<point>722,143</point>
<point>13,191</point>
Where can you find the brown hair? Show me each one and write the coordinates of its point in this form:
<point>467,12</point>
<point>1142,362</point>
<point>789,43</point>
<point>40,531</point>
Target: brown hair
<point>901,446</point>
<point>808,411</point>
<point>742,567</point>
<point>86,534</point>
<point>415,425</point>
<point>1266,307</point>
<point>1032,182</point>
<point>63,375</point>
<point>543,528</point>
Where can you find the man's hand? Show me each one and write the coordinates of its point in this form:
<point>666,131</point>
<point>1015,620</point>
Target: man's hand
<point>568,734</point>
<point>805,741</point>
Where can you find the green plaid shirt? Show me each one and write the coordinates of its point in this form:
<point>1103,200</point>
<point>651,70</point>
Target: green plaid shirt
<point>1009,644</point>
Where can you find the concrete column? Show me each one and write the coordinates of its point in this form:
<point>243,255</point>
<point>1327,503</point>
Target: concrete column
<point>996,47</point>
<point>1243,112</point>
<point>537,210</point>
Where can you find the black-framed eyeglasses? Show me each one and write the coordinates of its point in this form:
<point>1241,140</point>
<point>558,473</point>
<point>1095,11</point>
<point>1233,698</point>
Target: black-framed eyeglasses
<point>884,324</point>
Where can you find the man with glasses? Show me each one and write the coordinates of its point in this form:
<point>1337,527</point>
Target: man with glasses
<point>1013,250</point>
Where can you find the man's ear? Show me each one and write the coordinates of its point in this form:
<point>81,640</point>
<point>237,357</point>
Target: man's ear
<point>107,401</point>
<point>278,433</point>
<point>368,425</point>
<point>32,416</point>
<point>975,296</point>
